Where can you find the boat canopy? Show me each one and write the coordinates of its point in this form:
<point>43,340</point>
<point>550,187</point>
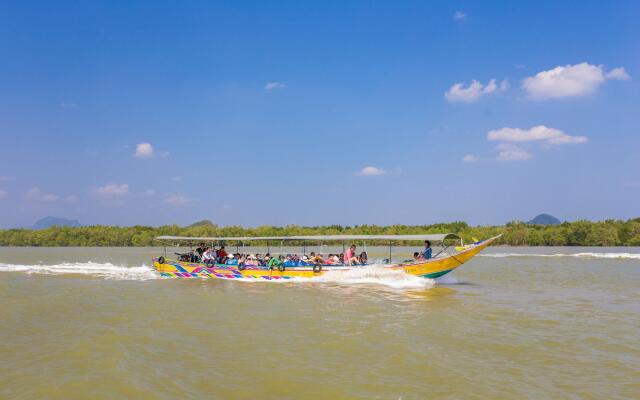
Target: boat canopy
<point>436,238</point>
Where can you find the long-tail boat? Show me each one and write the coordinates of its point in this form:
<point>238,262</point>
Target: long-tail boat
<point>453,254</point>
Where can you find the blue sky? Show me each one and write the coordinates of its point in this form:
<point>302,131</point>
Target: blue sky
<point>252,113</point>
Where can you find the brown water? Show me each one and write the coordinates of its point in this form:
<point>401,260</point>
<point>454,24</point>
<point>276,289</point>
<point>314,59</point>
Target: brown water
<point>97,323</point>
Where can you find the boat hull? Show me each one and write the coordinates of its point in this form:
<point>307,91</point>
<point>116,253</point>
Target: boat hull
<point>433,268</point>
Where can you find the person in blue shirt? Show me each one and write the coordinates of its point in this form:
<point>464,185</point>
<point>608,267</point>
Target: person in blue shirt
<point>231,260</point>
<point>426,253</point>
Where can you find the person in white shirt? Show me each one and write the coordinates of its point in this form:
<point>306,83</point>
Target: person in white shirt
<point>209,256</point>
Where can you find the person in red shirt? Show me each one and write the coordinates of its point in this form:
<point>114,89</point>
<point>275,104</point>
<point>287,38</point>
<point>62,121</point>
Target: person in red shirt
<point>221,255</point>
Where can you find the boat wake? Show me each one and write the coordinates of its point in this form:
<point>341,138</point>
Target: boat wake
<point>373,275</point>
<point>633,256</point>
<point>102,270</point>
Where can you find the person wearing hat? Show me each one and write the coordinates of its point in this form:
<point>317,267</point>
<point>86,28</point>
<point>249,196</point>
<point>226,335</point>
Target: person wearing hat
<point>231,260</point>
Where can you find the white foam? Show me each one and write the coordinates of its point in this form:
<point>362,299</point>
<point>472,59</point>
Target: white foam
<point>103,270</point>
<point>448,279</point>
<point>634,256</point>
<point>372,274</point>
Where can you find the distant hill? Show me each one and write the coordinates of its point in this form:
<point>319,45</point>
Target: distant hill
<point>47,222</point>
<point>544,219</point>
<point>204,222</point>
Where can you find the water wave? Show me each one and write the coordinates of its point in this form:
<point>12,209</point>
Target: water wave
<point>634,256</point>
<point>372,274</point>
<point>103,270</point>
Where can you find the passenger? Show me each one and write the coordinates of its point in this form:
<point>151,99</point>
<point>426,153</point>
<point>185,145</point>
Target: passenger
<point>274,262</point>
<point>350,256</point>
<point>364,258</point>
<point>417,256</point>
<point>251,261</point>
<point>341,259</point>
<point>200,250</point>
<point>426,253</point>
<point>208,257</point>
<point>231,260</point>
<point>185,257</point>
<point>335,259</point>
<point>328,260</point>
<point>221,255</point>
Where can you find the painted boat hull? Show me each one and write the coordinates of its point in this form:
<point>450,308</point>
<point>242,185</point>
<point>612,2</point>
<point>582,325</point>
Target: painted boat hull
<point>433,268</point>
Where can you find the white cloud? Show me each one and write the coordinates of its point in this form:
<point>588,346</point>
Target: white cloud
<point>371,171</point>
<point>6,178</point>
<point>37,195</point>
<point>458,93</point>
<point>177,200</point>
<point>274,85</point>
<point>536,133</point>
<point>618,73</point>
<point>511,152</point>
<point>459,16</point>
<point>112,190</point>
<point>569,81</point>
<point>3,194</point>
<point>149,192</point>
<point>144,150</point>
<point>470,158</point>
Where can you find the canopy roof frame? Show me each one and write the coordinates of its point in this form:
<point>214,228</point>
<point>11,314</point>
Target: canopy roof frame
<point>437,238</point>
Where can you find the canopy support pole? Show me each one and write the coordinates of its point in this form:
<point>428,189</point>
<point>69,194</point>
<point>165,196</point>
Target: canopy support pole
<point>389,251</point>
<point>304,247</point>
